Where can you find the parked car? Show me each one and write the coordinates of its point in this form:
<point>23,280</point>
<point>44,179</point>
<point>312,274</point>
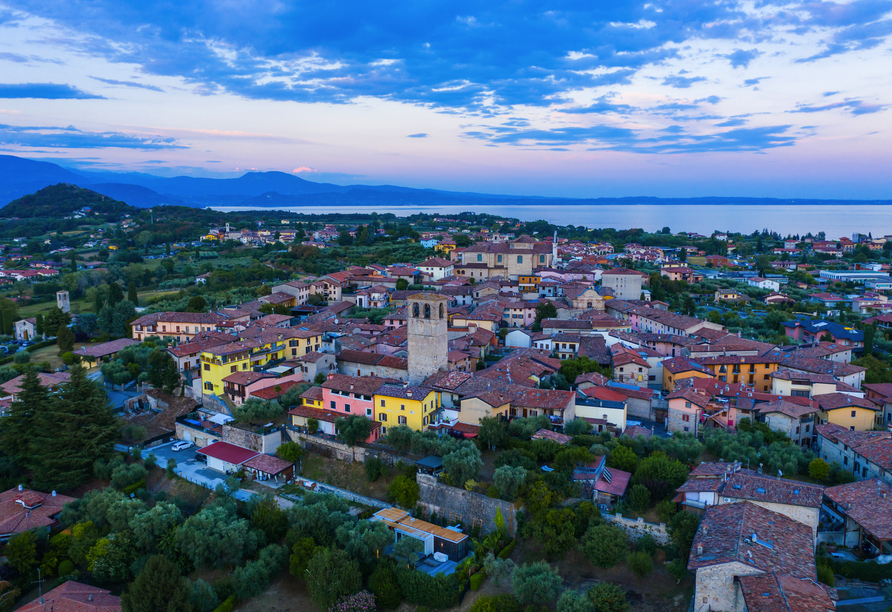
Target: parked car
<point>182,445</point>
<point>843,555</point>
<point>201,458</point>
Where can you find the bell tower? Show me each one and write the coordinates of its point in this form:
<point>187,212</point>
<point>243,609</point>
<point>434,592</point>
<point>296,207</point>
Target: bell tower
<point>428,342</point>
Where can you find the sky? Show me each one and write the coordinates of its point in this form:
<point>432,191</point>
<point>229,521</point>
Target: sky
<point>596,98</point>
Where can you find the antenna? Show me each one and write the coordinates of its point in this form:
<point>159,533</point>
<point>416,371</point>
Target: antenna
<point>39,583</point>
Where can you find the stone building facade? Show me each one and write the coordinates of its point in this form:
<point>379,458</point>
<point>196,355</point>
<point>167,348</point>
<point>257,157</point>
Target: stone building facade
<point>427,334</point>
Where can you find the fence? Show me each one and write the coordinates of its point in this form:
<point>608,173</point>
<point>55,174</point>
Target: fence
<point>638,528</point>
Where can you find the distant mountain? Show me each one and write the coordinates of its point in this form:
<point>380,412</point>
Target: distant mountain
<point>19,176</point>
<point>62,200</point>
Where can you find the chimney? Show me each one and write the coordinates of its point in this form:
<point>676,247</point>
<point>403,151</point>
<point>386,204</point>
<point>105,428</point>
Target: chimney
<point>90,598</point>
<point>20,487</point>
<point>54,493</point>
<point>699,549</point>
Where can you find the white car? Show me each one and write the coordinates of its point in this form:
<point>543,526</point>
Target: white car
<point>182,445</point>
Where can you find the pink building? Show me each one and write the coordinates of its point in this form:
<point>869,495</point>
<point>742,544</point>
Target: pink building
<point>353,395</point>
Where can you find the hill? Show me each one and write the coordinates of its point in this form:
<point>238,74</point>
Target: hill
<point>62,200</point>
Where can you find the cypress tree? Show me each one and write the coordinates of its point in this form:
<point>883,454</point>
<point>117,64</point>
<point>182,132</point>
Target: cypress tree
<point>81,429</point>
<point>115,294</point>
<point>131,293</point>
<point>97,302</point>
<point>38,325</point>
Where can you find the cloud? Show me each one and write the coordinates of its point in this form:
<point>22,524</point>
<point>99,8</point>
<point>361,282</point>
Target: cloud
<point>26,59</point>
<point>419,135</point>
<point>753,82</point>
<point>855,107</point>
<point>47,91</point>
<point>741,58</point>
<point>73,138</point>
<point>600,106</point>
<point>681,82</point>
<point>303,169</point>
<point>669,140</point>
<point>128,84</point>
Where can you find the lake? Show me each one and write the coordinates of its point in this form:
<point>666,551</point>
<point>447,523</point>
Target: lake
<point>835,220</point>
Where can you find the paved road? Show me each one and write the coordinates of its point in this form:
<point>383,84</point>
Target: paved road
<point>191,469</point>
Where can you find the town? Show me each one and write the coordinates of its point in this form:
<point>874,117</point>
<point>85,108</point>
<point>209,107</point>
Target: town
<point>226,411</point>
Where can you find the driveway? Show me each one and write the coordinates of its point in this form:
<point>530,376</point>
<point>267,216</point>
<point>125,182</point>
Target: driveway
<point>191,469</point>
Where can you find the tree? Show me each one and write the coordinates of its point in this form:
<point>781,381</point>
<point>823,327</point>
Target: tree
<point>268,517</point>
<point>409,550</point>
<point>344,238</point>
<point>301,553</point>
<point>870,332</point>
<point>159,587</point>
<point>364,541</point>
<point>577,427</point>
<point>132,295</point>
<point>400,438</point>
<point>80,429</point>
<point>819,469</point>
<point>463,464</point>
<point>639,498</point>
<point>623,458</point>
<point>55,319</point>
<point>21,552</point>
<point>255,576</point>
<point>640,563</point>
<point>331,575</point>
<point>197,304</point>
<point>353,430</point>
<point>608,597</point>
<point>202,596</point>
<point>556,530</point>
<point>383,583</point>
<point>216,537</point>
<point>115,294</point>
<point>39,327</point>
<point>162,371</point>
<point>402,284</point>
<point>660,475</point>
<point>682,529</point>
<point>23,426</point>
<point>536,584</point>
<point>605,545</point>
<point>290,452</point>
<point>65,339</point>
<point>493,432</point>
<point>545,310</point>
<point>403,491</point>
<point>508,480</point>
<point>151,526</point>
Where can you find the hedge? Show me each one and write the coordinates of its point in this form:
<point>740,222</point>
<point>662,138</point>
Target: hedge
<point>506,552</point>
<point>476,581</point>
<point>41,345</point>
<point>136,486</point>
<point>868,572</point>
<point>228,605</point>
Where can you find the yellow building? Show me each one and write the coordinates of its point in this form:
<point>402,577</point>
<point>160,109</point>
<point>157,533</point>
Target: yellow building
<point>446,246</point>
<point>528,284</point>
<point>404,405</point>
<point>220,361</point>
<point>853,413</point>
<point>679,368</point>
<point>753,371</point>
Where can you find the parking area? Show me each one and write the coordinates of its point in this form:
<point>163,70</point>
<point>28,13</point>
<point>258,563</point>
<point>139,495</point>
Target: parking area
<point>191,468</point>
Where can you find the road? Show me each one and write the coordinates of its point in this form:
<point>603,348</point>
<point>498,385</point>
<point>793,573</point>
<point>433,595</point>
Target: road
<point>191,469</point>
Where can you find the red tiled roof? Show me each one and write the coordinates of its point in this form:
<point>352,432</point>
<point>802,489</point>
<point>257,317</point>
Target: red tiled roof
<point>230,453</point>
<point>774,592</point>
<point>868,503</point>
<point>270,393</point>
<point>23,510</point>
<point>268,464</point>
<point>74,597</point>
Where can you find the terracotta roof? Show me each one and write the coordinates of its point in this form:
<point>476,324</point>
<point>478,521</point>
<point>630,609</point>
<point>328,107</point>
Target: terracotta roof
<point>604,393</point>
<point>547,434</point>
<point>835,401</point>
<point>268,464</point>
<point>596,378</point>
<point>763,488</point>
<point>329,416</point>
<point>106,348</point>
<point>51,380</point>
<point>690,395</point>
<point>363,357</point>
<point>676,365</point>
<point>24,510</point>
<point>404,392</point>
<point>247,377</point>
<point>313,393</point>
<point>270,393</point>
<point>634,431</point>
<point>726,535</point>
<point>360,385</point>
<point>868,503</point>
<point>794,411</point>
<point>775,592</point>
<point>75,597</point>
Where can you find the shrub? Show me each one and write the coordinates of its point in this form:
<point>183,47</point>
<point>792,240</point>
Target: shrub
<point>666,509</point>
<point>608,597</point>
<point>536,583</point>
<point>66,568</point>
<point>825,575</point>
<point>506,552</point>
<point>358,602</point>
<point>639,498</point>
<point>440,591</point>
<point>647,544</point>
<point>228,605</point>
<point>150,461</point>
<point>403,491</point>
<point>374,468</point>
<point>476,581</point>
<point>496,603</point>
<point>640,563</point>
<point>605,545</point>
<point>383,583</point>
<point>819,469</point>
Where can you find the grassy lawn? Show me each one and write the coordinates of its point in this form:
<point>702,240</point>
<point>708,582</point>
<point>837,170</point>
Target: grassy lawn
<point>32,310</point>
<point>50,354</point>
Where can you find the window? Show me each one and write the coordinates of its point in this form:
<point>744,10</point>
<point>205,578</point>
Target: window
<point>207,367</point>
<point>368,412</point>
<point>346,407</point>
<point>499,259</point>
<point>479,257</point>
<point>382,416</point>
<point>415,309</point>
<point>687,404</point>
<point>401,420</point>
<point>427,311</point>
<point>208,386</point>
<point>541,258</point>
<point>686,428</point>
<point>853,414</point>
<point>686,418</point>
<point>333,405</point>
<point>233,368</point>
<point>402,406</point>
<point>382,403</point>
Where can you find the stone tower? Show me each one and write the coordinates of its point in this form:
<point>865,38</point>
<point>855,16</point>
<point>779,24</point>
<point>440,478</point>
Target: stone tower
<point>428,343</point>
<point>62,301</point>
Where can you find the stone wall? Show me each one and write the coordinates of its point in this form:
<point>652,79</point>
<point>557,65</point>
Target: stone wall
<point>715,588</point>
<point>637,528</point>
<point>266,444</point>
<point>464,507</point>
<point>333,449</point>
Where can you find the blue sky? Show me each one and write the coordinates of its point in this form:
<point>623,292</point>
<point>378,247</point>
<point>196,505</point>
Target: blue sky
<point>583,99</point>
